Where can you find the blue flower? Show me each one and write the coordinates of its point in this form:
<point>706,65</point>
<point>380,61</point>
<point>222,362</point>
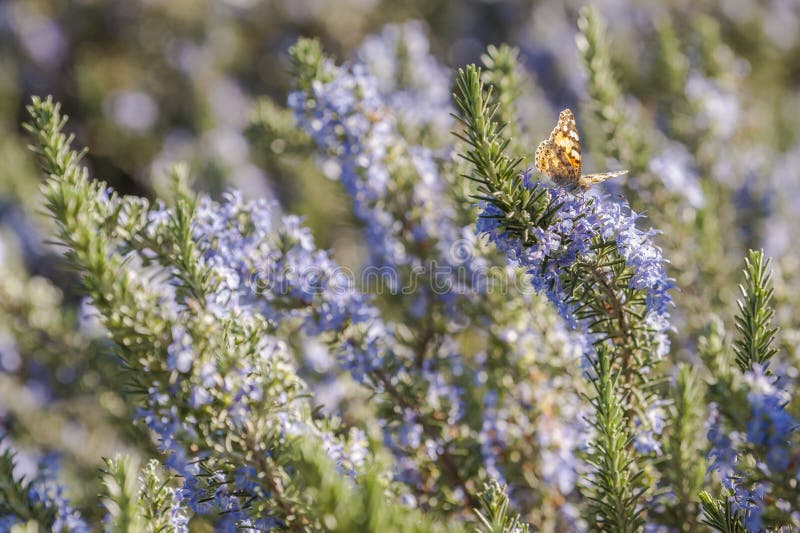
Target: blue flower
<point>770,425</point>
<point>178,517</point>
<point>45,492</point>
<point>351,122</point>
<point>180,354</point>
<point>769,428</point>
<point>6,522</point>
<point>413,83</point>
<point>574,227</point>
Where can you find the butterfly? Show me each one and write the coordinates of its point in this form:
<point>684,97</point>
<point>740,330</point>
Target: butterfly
<point>560,157</point>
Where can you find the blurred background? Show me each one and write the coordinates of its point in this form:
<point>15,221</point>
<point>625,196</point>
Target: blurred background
<point>710,88</point>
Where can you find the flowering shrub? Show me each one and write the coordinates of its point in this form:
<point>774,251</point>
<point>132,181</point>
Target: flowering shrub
<point>506,354</point>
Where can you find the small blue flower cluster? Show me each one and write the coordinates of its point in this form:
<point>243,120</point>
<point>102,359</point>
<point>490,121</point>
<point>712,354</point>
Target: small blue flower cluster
<point>269,267</point>
<point>616,221</point>
<point>770,425</point>
<point>410,220</point>
<point>767,434</point>
<point>414,84</point>
<point>265,274</point>
<point>725,454</point>
<point>578,223</point>
<point>412,236</point>
<point>346,118</point>
<point>215,306</point>
<point>543,411</point>
<point>178,518</point>
<point>648,430</point>
<point>46,493</point>
<point>352,123</point>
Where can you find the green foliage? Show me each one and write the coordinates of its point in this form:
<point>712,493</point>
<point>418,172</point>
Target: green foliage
<point>684,468</point>
<point>138,499</point>
<point>494,515</point>
<point>14,493</point>
<point>344,507</point>
<point>306,489</point>
<point>86,220</point>
<point>30,499</point>
<point>157,499</point>
<point>615,495</point>
<point>503,74</point>
<point>639,104</point>
<point>600,286</point>
<point>286,154</point>
<point>672,66</point>
<point>719,515</point>
<point>308,62</point>
<point>452,476</point>
<point>275,130</point>
<point>122,500</point>
<point>754,321</point>
<point>712,348</point>
<point>496,173</point>
<point>624,140</point>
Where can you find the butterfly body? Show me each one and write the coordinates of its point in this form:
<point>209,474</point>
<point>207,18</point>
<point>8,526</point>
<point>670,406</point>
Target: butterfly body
<point>559,157</point>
